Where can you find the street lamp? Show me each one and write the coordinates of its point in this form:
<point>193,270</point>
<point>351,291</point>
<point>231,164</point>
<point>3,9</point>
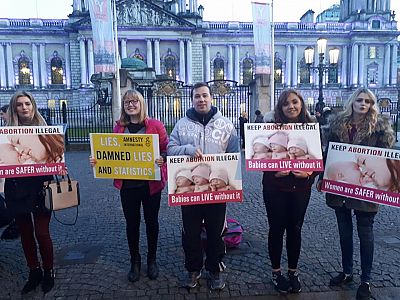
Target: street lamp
<point>321,68</point>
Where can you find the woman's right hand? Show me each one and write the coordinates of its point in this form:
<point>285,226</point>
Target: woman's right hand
<point>280,174</point>
<point>319,185</point>
<point>92,161</point>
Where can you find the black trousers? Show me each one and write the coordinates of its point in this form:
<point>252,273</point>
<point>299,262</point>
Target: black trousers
<point>214,216</point>
<point>132,199</point>
<point>285,212</point>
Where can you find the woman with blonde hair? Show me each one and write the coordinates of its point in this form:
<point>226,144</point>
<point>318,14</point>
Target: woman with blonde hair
<point>137,193</point>
<point>25,200</point>
<point>360,124</point>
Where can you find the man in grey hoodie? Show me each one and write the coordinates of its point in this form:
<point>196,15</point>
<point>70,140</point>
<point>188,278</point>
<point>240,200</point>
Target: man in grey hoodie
<point>203,131</point>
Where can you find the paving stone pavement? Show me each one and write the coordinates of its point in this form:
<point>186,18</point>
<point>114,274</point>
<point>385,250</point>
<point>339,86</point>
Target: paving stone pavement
<point>92,258</point>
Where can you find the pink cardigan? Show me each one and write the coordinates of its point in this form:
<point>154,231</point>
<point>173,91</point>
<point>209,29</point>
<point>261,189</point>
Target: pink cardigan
<point>152,127</point>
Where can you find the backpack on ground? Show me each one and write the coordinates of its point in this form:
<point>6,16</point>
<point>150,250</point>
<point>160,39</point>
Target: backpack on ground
<point>233,233</point>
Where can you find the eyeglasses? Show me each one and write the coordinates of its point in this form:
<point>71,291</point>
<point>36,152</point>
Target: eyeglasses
<point>131,102</point>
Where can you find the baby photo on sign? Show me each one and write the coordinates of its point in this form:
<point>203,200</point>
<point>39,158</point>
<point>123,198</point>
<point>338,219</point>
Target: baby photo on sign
<point>202,179</point>
<point>266,143</point>
<point>364,173</point>
<point>281,145</point>
<point>215,177</point>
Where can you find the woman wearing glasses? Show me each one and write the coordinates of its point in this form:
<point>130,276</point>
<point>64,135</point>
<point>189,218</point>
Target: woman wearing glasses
<point>135,193</point>
<point>360,124</point>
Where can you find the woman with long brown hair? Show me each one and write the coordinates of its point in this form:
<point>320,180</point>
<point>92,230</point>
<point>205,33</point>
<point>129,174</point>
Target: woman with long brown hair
<point>286,196</point>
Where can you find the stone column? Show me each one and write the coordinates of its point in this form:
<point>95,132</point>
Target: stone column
<point>10,67</point>
<point>230,63</point>
<point>3,78</point>
<point>149,55</point>
<point>288,67</point>
<point>189,62</point>
<point>67,65</point>
<point>182,6</point>
<point>190,6</point>
<point>35,66</point>
<point>90,58</point>
<point>82,49</point>
<point>43,70</point>
<point>207,62</point>
<point>343,76</point>
<point>157,65</point>
<point>295,75</point>
<point>77,5</point>
<point>354,64</point>
<point>182,71</point>
<point>394,64</point>
<point>361,77</point>
<point>123,48</point>
<point>386,70</point>
<point>237,64</point>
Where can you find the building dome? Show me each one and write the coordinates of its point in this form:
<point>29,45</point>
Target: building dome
<point>133,63</point>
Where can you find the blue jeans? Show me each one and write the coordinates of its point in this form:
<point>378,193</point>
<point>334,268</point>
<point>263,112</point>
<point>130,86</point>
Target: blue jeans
<point>365,221</point>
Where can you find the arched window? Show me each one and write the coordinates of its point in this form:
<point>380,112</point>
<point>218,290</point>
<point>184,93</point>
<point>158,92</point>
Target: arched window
<point>24,70</point>
<point>248,69</point>
<point>138,55</point>
<point>372,73</point>
<point>278,64</point>
<point>56,69</point>
<point>333,74</point>
<point>304,71</point>
<point>219,67</point>
<point>170,65</point>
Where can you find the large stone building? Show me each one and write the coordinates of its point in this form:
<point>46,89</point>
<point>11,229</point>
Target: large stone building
<point>54,58</point>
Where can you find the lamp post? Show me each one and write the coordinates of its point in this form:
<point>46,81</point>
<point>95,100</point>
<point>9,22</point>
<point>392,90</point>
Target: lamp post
<point>321,68</point>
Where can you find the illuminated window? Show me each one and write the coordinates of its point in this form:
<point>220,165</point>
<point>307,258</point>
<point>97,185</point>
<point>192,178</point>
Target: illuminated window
<point>56,68</point>
<point>219,67</point>
<point>372,52</point>
<point>278,63</point>
<point>248,69</point>
<point>138,55</point>
<point>24,70</point>
<point>170,65</point>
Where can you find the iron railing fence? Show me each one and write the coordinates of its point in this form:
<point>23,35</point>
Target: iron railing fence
<point>167,101</point>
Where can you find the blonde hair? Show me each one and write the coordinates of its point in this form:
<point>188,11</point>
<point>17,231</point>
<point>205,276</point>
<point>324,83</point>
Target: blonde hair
<point>133,95</point>
<point>13,118</point>
<point>371,118</point>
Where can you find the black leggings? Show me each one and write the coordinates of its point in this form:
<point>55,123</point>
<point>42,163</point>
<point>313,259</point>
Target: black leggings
<point>131,199</point>
<point>285,211</point>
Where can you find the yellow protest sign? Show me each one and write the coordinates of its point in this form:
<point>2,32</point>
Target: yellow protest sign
<point>125,156</point>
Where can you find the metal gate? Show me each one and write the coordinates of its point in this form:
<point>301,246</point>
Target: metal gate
<point>168,100</point>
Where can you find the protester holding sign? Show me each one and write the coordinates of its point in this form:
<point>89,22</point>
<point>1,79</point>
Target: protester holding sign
<point>135,192</point>
<point>360,124</point>
<point>286,196</point>
<point>24,197</point>
<point>203,131</point>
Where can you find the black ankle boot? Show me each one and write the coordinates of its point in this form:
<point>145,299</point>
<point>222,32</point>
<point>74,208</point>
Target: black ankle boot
<point>48,281</point>
<point>35,277</point>
<point>134,273</point>
<point>152,269</point>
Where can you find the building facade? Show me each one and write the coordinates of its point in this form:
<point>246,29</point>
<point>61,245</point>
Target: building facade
<point>54,58</point>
